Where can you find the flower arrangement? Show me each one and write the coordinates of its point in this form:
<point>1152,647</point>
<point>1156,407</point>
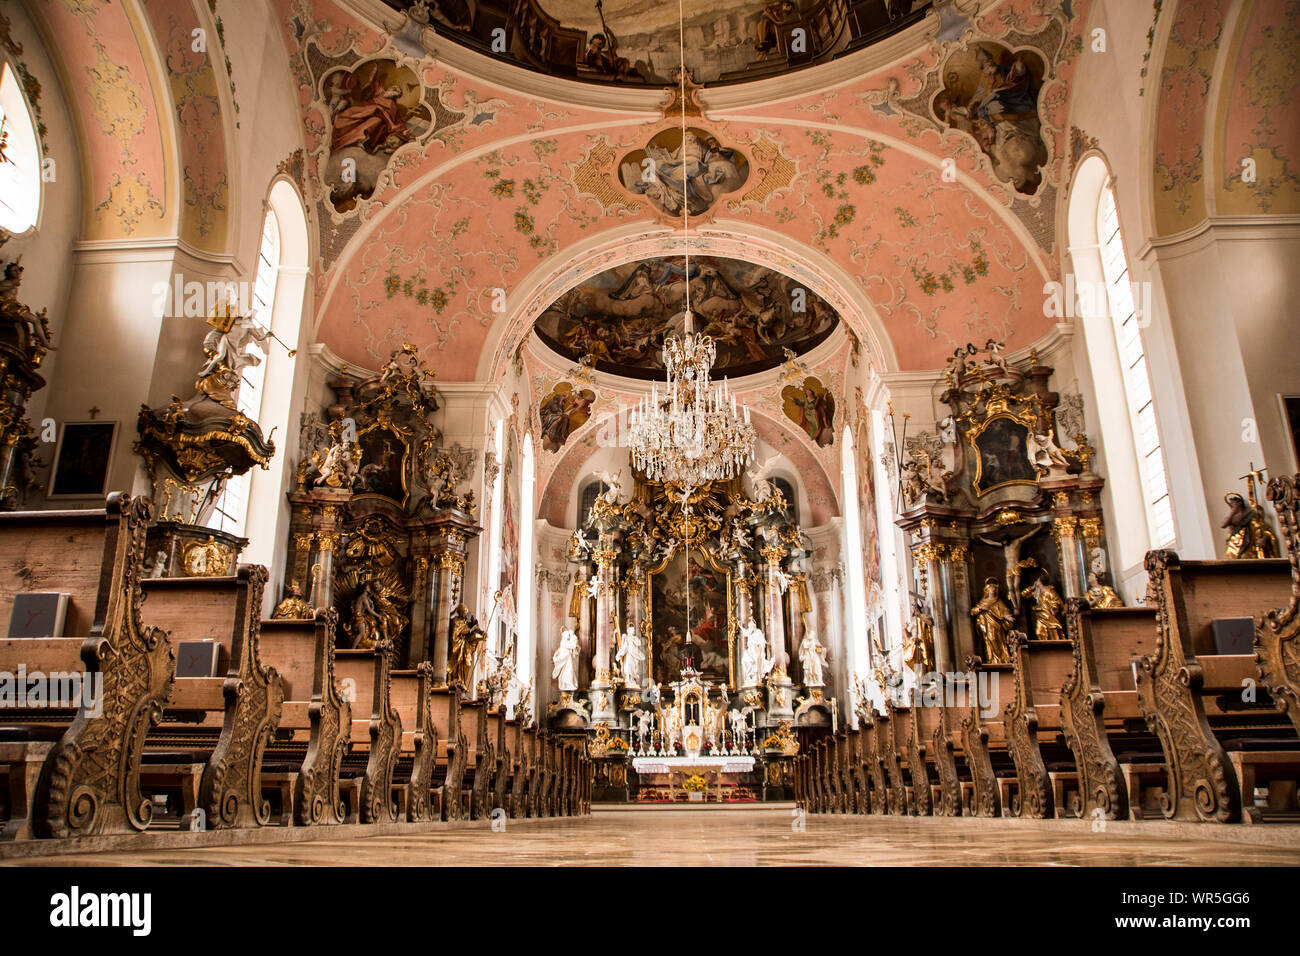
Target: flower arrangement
<point>617,745</point>
<point>773,743</point>
<point>694,784</point>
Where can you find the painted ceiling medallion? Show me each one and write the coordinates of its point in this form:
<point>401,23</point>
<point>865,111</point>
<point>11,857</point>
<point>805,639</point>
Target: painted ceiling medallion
<point>618,320</point>
<point>668,171</point>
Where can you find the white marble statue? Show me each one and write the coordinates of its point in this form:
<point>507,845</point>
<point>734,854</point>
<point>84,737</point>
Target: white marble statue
<point>565,659</point>
<point>812,656</point>
<point>672,729</point>
<point>755,660</point>
<point>645,730</point>
<point>631,655</point>
<point>739,730</point>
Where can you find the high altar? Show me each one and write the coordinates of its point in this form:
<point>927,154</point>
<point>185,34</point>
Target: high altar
<point>689,612</point>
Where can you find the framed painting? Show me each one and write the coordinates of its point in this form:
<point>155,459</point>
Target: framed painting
<point>383,463</point>
<point>82,459</point>
<point>1001,446</point>
<point>711,626</point>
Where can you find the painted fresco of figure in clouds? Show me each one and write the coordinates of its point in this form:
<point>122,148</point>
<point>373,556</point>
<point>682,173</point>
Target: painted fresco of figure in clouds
<point>991,94</point>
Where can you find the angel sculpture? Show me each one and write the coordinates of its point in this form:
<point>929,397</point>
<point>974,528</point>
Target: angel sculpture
<point>763,488</point>
<point>226,350</point>
<point>739,538</point>
<point>613,485</point>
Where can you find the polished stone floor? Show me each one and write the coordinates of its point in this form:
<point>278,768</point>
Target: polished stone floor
<point>757,836</point>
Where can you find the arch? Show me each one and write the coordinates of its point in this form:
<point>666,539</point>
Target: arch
<point>21,189</point>
<point>641,240</point>
<point>1131,535</point>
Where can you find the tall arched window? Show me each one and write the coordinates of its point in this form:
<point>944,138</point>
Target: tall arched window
<point>232,504</point>
<point>20,158</point>
<point>856,640</point>
<point>527,597</point>
<point>1113,332</point>
<point>1133,366</point>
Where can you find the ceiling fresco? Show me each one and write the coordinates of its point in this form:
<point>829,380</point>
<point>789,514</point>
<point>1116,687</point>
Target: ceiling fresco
<point>637,41</point>
<point>617,321</point>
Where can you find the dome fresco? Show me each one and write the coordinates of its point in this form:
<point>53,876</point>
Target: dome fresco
<point>636,42</point>
<point>618,319</point>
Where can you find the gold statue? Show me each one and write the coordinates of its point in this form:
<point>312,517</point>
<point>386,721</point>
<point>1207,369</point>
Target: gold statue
<point>1100,595</point>
<point>464,646</point>
<point>375,615</point>
<point>919,651</point>
<point>1249,535</point>
<point>293,605</point>
<point>994,619</point>
<point>1048,608</point>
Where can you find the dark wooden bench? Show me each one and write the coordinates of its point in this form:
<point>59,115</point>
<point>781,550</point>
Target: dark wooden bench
<point>984,738</point>
<point>1114,751</point>
<point>221,724</point>
<point>417,754</point>
<point>1044,763</point>
<point>1277,638</point>
<point>77,773</point>
<point>933,750</point>
<point>376,733</point>
<point>452,753</point>
<point>315,733</point>
<point>915,776</point>
<point>516,761</point>
<point>1192,697</point>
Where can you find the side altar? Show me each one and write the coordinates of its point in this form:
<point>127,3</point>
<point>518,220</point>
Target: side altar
<point>689,659</point>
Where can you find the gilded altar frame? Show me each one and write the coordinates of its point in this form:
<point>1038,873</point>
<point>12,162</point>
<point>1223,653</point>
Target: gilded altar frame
<point>710,559</point>
<point>999,409</point>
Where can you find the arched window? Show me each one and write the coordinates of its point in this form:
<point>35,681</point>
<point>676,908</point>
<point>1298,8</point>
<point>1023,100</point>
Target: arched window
<point>232,504</point>
<point>1133,367</point>
<point>527,597</point>
<point>587,499</point>
<point>20,158</point>
<point>784,486</point>
<point>856,625</point>
<point>1113,332</point>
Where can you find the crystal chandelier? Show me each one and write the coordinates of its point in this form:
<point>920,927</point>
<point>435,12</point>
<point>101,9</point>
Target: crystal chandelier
<point>693,433</point>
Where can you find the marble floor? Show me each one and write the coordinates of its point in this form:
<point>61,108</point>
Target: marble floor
<point>757,836</point>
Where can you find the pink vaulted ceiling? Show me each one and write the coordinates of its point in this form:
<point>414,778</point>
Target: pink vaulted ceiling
<point>852,176</point>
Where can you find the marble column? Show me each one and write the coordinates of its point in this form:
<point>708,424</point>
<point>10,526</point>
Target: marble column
<point>962,624</point>
<point>1065,529</point>
<point>928,560</point>
<point>602,686</point>
<point>774,611</point>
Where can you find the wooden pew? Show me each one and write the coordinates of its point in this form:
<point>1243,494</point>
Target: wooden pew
<point>516,751</point>
<point>800,785</point>
<point>1033,725</point>
<point>480,759</point>
<point>872,729</point>
<point>984,737</point>
<point>376,732</point>
<point>536,772</point>
<point>499,792</point>
<point>846,781</point>
<point>85,781</point>
<point>1179,681</point>
<point>453,752</point>
<point>1100,715</point>
<point>315,732</point>
<point>221,723</point>
<point>1277,637</point>
<point>412,700</point>
<point>861,779</point>
<point>932,748</point>
<point>918,790</point>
